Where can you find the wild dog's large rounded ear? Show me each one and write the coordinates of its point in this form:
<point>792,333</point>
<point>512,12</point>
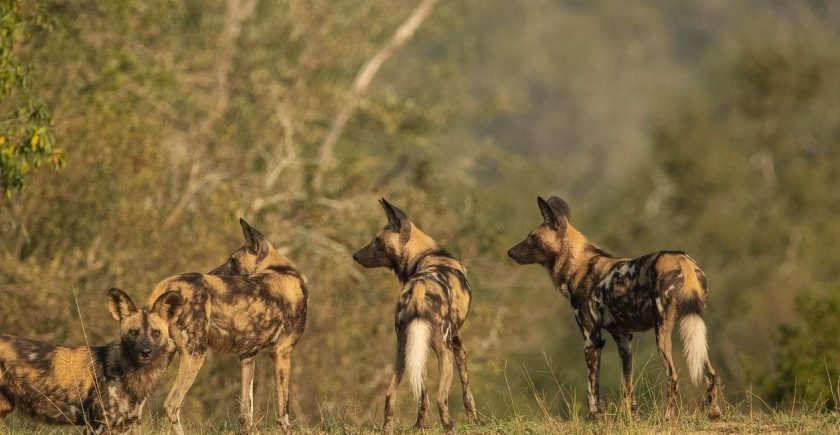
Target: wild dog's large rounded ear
<point>120,305</point>
<point>168,305</point>
<point>560,207</point>
<point>397,220</point>
<point>555,218</point>
<point>254,240</point>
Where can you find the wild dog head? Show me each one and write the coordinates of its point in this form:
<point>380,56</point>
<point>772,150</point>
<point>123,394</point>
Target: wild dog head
<point>388,245</point>
<point>248,259</point>
<point>544,243</point>
<point>144,334</point>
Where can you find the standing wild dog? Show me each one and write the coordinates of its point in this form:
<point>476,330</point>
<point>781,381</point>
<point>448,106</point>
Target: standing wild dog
<point>624,296</point>
<point>431,309</point>
<point>256,300</point>
<point>103,387</point>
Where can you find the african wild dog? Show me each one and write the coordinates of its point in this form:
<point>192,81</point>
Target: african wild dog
<point>102,387</point>
<point>624,296</point>
<point>257,300</point>
<point>431,309</point>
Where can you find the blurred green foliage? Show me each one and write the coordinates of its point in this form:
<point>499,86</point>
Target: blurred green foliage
<point>26,139</point>
<point>808,360</point>
<point>664,126</point>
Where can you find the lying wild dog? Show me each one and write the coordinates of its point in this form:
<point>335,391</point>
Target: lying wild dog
<point>257,300</point>
<point>431,309</point>
<point>103,387</point>
<point>624,296</point>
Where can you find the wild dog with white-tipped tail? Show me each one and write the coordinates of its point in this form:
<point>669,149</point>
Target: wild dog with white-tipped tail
<point>623,296</point>
<point>431,309</point>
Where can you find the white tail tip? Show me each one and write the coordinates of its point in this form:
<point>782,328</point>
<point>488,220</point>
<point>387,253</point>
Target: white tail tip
<point>416,352</point>
<point>693,333</point>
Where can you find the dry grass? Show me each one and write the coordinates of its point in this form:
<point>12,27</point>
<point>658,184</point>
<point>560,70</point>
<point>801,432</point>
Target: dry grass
<point>760,422</point>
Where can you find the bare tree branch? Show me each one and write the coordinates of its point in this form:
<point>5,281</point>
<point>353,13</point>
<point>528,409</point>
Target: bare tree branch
<point>360,85</point>
<point>237,12</point>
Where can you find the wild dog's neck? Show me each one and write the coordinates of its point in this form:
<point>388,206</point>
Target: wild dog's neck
<point>579,264</point>
<point>415,251</point>
<point>274,258</point>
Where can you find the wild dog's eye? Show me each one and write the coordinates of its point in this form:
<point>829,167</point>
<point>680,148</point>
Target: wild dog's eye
<point>532,237</point>
<point>133,332</point>
<point>155,333</point>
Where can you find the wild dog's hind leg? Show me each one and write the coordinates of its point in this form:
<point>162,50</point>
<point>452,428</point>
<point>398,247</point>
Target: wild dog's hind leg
<point>282,357</point>
<point>624,340</point>
<point>663,341</point>
<point>461,362</point>
<point>188,368</point>
<point>246,403</point>
<point>423,406</point>
<point>445,360</point>
<point>712,391</point>
<point>396,377</point>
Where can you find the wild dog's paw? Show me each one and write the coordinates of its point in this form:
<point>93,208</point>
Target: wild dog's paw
<point>670,413</point>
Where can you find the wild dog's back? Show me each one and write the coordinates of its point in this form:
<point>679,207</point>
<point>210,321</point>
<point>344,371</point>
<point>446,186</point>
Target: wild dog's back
<point>236,314</point>
<point>32,370</point>
<point>438,290</point>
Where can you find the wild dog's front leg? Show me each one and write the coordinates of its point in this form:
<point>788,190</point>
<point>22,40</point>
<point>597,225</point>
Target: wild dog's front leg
<point>282,357</point>
<point>592,351</point>
<point>188,369</point>
<point>461,362</point>
<point>624,340</point>
<point>663,341</point>
<point>246,401</point>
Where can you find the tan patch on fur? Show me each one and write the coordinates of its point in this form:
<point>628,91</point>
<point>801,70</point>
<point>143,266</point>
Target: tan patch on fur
<point>73,369</point>
<point>418,297</point>
<point>7,353</point>
<point>418,242</point>
<point>692,284</point>
<point>288,288</point>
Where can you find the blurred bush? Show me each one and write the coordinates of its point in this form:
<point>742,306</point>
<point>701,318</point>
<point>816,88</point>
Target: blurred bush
<point>808,359</point>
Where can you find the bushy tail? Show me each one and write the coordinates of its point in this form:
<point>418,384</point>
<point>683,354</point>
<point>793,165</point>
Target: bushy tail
<point>693,333</point>
<point>416,352</point>
<point>692,326</point>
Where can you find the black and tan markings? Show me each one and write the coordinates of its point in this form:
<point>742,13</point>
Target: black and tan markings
<point>431,309</point>
<point>623,296</point>
<point>102,388</point>
<point>257,300</point>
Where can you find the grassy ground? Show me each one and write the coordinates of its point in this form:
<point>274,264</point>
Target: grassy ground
<point>740,422</point>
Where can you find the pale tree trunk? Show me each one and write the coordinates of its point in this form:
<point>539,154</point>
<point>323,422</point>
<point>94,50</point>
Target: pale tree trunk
<point>361,83</point>
<point>200,177</point>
